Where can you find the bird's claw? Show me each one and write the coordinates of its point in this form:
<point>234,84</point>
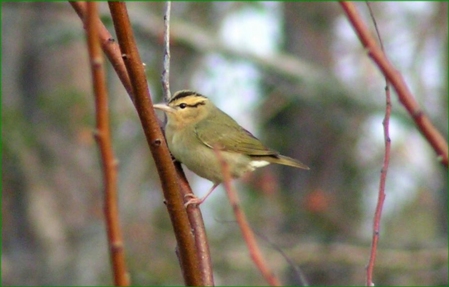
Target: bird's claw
<point>193,200</point>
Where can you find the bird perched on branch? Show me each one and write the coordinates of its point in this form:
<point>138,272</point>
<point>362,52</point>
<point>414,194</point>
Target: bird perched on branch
<point>195,127</point>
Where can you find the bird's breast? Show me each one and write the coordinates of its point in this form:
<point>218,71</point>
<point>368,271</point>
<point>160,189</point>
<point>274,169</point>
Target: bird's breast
<point>202,160</point>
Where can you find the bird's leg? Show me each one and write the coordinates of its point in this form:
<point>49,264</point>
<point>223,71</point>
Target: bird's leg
<point>197,201</point>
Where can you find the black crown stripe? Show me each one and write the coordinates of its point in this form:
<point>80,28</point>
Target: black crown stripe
<point>185,93</point>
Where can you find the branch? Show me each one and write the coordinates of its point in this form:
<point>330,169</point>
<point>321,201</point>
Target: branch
<point>193,212</point>
<point>198,230</point>
<point>248,235</point>
<point>109,46</point>
<point>165,79</point>
<point>384,171</point>
<point>433,136</point>
<point>109,162</point>
<point>174,201</point>
<point>111,49</point>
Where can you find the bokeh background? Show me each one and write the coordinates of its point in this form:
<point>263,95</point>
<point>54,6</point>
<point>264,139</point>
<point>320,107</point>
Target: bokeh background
<point>292,73</point>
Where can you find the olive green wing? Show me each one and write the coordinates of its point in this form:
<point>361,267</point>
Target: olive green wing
<point>226,134</point>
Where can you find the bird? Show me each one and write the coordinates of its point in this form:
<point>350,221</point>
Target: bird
<point>195,127</point>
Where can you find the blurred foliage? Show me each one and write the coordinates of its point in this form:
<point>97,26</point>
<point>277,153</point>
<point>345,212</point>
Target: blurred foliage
<point>53,231</point>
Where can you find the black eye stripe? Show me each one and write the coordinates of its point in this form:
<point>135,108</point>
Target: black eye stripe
<point>184,105</point>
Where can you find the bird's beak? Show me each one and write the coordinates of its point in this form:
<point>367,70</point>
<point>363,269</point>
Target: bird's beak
<point>164,108</point>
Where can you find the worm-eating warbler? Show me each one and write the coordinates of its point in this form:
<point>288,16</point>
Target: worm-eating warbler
<point>195,126</point>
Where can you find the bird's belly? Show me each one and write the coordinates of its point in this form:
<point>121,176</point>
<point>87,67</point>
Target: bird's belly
<point>203,161</point>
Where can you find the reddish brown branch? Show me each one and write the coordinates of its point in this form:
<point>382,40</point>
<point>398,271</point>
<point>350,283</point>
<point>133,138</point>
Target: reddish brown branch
<point>174,202</point>
<point>109,46</point>
<point>247,233</point>
<point>103,136</point>
<point>381,193</point>
<point>383,174</point>
<point>112,51</point>
<point>198,230</point>
<point>433,136</point>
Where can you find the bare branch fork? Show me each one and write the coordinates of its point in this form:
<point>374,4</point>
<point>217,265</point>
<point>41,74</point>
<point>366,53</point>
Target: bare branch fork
<point>112,51</point>
<point>422,121</point>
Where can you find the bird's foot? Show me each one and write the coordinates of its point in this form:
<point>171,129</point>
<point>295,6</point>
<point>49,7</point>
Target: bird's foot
<point>193,200</point>
<point>197,201</point>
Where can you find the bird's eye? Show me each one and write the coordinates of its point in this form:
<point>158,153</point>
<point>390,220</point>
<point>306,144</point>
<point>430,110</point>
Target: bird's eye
<point>183,105</point>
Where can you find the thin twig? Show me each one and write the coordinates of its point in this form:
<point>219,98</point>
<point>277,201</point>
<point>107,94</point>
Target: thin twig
<point>193,212</point>
<point>165,79</point>
<point>300,277</point>
<point>384,171</point>
<point>254,251</point>
<point>109,162</point>
<point>174,201</point>
<point>433,136</point>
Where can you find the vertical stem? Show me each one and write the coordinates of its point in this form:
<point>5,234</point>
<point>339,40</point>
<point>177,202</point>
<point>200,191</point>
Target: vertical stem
<point>166,71</point>
<point>384,171</point>
<point>194,213</point>
<point>103,136</point>
<point>381,193</point>
<point>167,173</point>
